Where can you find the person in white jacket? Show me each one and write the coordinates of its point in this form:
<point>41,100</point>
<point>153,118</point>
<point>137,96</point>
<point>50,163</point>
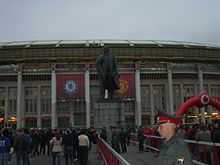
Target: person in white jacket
<point>56,149</point>
<point>83,147</point>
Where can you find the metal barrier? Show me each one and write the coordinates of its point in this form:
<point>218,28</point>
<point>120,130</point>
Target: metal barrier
<point>109,155</point>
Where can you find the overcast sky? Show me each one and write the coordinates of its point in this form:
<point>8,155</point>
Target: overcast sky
<point>181,20</point>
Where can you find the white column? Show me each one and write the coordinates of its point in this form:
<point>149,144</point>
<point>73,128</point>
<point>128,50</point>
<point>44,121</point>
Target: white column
<point>38,107</point>
<point>87,97</point>
<point>200,75</point>
<point>170,88</point>
<point>138,121</point>
<point>53,100</point>
<point>6,107</point>
<point>152,116</point>
<point>19,96</point>
<point>71,118</point>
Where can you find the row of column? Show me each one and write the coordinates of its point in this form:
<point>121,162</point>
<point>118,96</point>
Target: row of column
<point>138,111</point>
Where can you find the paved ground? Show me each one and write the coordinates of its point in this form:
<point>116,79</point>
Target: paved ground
<point>134,157</point>
<point>45,160</point>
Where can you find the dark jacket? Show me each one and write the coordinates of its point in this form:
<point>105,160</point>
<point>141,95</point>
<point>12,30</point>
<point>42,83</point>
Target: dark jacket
<point>68,140</point>
<point>173,151</point>
<point>216,135</point>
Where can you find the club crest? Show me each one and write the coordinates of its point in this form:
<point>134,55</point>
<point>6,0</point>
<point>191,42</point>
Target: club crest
<point>70,86</point>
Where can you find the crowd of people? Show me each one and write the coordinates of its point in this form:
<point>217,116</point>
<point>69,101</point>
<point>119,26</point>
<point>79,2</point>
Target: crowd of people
<point>71,144</point>
<point>206,133</point>
<point>74,145</point>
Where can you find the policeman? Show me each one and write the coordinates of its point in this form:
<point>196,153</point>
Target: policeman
<point>174,150</point>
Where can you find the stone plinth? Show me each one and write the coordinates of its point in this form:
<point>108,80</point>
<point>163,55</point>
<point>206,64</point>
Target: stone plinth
<point>107,113</point>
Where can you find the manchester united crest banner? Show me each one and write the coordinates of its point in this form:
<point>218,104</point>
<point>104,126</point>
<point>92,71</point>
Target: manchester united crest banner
<point>70,86</point>
<point>126,85</point>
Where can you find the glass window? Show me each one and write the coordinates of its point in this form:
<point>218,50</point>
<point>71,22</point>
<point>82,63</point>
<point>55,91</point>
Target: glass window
<point>31,123</point>
<point>145,98</point>
<point>63,107</point>
<point>215,91</point>
<point>45,106</point>
<point>12,100</point>
<point>129,106</point>
<point>63,122</point>
<point>94,92</point>
<point>2,93</point>
<point>188,91</point>
<point>46,123</point>
<point>31,95</point>
<point>45,93</point>
<point>12,92</point>
<point>78,106</point>
<point>159,97</point>
<point>205,88</point>
<point>2,101</point>
<point>79,119</point>
<point>94,95</point>
<point>130,121</point>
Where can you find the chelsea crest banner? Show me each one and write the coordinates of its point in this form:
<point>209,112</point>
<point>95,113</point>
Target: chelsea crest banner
<point>70,86</point>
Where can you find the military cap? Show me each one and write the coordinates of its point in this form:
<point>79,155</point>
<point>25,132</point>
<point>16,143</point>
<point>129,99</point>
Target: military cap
<point>163,118</point>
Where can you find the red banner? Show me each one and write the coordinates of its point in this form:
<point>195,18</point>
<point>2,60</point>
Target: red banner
<point>70,86</point>
<point>126,85</point>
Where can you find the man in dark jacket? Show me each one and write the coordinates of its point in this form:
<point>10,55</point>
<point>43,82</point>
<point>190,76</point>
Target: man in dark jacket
<point>115,142</point>
<point>22,147</point>
<point>140,136</point>
<point>216,138</point>
<point>122,136</point>
<point>5,144</point>
<point>174,150</point>
<point>103,134</point>
<point>68,142</point>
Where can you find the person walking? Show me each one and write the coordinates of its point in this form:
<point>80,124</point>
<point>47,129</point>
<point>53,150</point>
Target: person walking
<point>83,147</point>
<point>203,150</point>
<point>56,149</point>
<point>27,142</point>
<point>103,134</point>
<point>115,140</point>
<point>68,143</point>
<point>173,149</point>
<point>19,147</point>
<point>140,136</point>
<point>122,136</point>
<point>5,144</point>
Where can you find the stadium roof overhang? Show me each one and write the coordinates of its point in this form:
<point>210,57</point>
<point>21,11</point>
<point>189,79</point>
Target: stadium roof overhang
<point>101,43</point>
<point>22,46</point>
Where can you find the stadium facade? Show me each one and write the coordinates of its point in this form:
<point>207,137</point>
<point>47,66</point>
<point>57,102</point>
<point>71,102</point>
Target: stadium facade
<point>54,83</point>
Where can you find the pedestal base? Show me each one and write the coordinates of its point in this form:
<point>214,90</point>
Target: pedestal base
<point>108,113</point>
